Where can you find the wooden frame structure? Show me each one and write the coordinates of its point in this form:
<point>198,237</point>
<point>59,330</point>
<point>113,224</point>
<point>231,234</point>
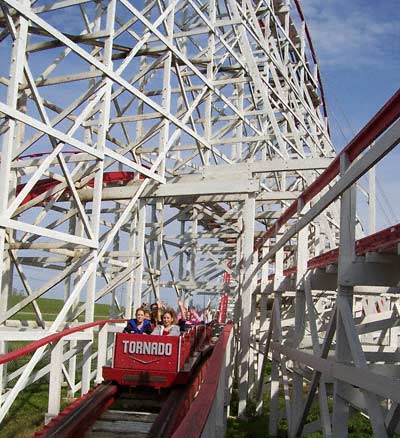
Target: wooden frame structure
<point>148,148</point>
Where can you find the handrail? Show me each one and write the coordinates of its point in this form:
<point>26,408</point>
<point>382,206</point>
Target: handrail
<point>19,352</point>
<point>196,418</point>
<point>388,114</point>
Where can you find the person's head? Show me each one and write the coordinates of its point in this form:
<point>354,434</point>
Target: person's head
<point>139,315</point>
<point>168,317</point>
<point>190,313</point>
<point>154,309</point>
<point>147,314</point>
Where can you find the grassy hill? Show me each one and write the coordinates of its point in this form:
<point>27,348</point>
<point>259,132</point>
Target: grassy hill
<point>50,308</point>
<point>33,400</point>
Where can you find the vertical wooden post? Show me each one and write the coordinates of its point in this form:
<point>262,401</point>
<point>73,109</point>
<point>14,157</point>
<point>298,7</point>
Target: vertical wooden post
<point>276,337</point>
<point>372,200</point>
<point>137,293</point>
<point>55,381</point>
<point>340,414</point>
<point>302,257</point>
<point>101,352</point>
<point>246,298</point>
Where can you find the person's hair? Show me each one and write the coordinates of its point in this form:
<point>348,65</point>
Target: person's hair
<point>172,313</point>
<point>154,304</point>
<point>140,309</point>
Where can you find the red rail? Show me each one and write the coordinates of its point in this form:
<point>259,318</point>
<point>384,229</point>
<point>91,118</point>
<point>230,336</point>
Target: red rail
<point>388,114</point>
<point>196,418</point>
<point>386,239</point>
<point>313,54</point>
<point>74,420</point>
<point>223,307</point>
<point>381,241</point>
<point>80,415</point>
<point>7,357</point>
<point>47,184</point>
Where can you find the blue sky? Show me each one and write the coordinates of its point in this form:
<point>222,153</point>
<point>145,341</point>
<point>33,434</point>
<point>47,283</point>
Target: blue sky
<point>358,47</point>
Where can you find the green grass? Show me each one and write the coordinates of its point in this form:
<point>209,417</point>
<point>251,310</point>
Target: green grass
<point>27,412</point>
<point>257,426</point>
<point>51,307</point>
<point>26,415</point>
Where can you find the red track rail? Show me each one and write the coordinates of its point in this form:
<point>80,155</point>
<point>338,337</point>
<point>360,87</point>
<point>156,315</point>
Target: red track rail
<point>382,241</point>
<point>81,414</point>
<point>196,418</point>
<point>16,354</point>
<point>75,420</point>
<point>46,184</point>
<point>313,54</point>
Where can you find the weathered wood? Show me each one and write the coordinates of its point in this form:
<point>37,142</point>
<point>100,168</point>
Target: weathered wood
<point>121,426</point>
<point>144,417</point>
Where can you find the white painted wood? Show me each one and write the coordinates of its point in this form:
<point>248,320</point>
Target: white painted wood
<point>219,102</point>
<point>246,298</point>
<point>55,379</point>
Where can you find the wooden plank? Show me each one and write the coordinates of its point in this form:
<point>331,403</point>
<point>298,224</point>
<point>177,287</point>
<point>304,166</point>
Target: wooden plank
<point>99,434</point>
<point>114,415</point>
<point>121,426</point>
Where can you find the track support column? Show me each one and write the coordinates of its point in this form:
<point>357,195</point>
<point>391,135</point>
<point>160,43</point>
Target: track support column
<point>340,416</point>
<point>276,337</point>
<point>246,299</point>
<point>300,309</point>
<point>55,381</point>
<point>137,296</point>
<point>265,331</point>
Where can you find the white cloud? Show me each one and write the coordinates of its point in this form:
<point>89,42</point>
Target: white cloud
<point>353,33</point>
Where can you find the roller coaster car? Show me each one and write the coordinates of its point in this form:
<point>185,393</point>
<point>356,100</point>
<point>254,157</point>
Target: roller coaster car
<point>157,361</point>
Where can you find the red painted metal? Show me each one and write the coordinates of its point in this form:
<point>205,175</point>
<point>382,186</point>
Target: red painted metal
<point>227,277</point>
<point>133,378</point>
<point>328,258</point>
<point>131,352</point>
<point>314,56</point>
<point>385,240</point>
<point>380,241</point>
<point>223,306</point>
<point>193,423</point>
<point>47,184</point>
<point>154,361</point>
<point>33,346</point>
<point>77,418</point>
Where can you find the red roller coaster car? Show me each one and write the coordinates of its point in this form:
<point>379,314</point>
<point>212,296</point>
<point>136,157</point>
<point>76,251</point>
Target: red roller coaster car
<point>157,361</point>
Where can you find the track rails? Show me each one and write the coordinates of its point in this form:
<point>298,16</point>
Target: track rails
<point>108,411</point>
<point>78,417</point>
<point>132,413</point>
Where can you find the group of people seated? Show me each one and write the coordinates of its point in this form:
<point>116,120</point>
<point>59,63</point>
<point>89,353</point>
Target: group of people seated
<point>161,320</point>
